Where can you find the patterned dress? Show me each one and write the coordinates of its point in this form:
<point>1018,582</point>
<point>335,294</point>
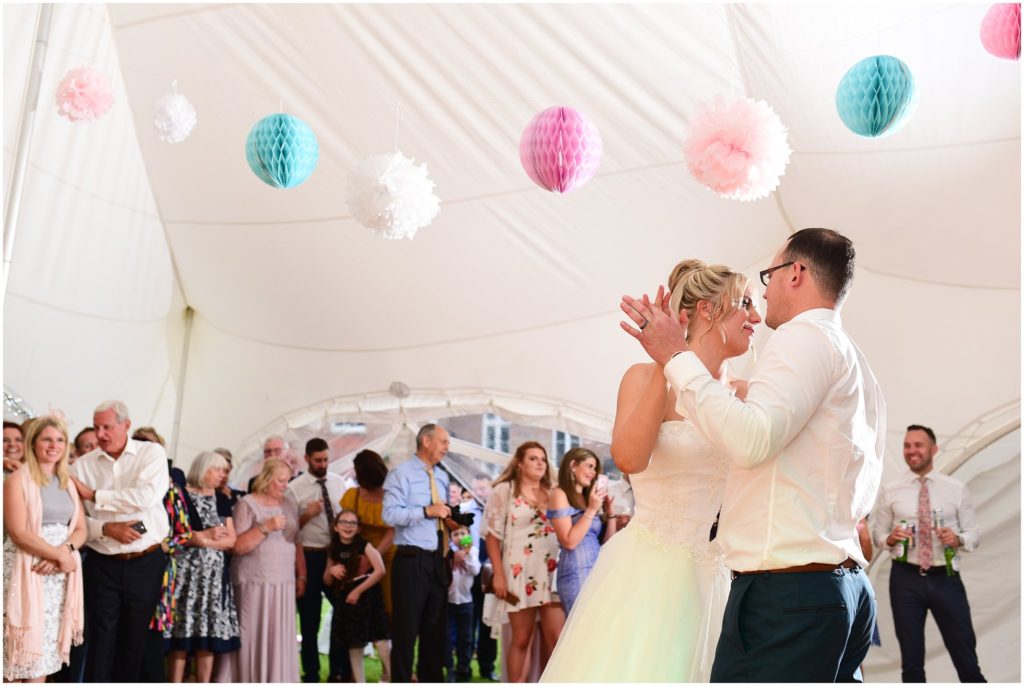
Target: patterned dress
<point>575,564</point>
<point>54,587</point>
<point>205,617</point>
<point>529,553</point>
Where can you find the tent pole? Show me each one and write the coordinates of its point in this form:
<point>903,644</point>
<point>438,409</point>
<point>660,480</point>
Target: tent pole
<point>26,122</point>
<point>186,344</point>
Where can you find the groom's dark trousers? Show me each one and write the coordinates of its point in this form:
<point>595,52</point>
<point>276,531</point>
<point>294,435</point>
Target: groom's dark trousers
<point>798,626</point>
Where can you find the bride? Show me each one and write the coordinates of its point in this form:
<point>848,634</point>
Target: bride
<point>651,609</point>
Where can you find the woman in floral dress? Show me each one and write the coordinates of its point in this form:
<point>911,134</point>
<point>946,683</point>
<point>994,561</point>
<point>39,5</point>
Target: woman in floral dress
<point>523,549</point>
<point>205,620</point>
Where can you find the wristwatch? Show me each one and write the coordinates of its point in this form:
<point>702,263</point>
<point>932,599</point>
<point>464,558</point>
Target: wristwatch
<point>71,546</point>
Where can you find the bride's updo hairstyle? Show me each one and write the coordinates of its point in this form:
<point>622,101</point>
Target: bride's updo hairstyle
<point>692,281</point>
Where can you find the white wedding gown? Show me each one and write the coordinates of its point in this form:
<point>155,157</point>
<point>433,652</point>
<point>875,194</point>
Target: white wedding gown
<point>651,608</point>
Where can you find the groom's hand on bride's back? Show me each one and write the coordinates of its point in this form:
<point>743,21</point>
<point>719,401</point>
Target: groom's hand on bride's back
<point>660,333</point>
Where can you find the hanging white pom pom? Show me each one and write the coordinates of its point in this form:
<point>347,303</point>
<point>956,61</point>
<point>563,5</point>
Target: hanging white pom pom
<point>174,118</point>
<point>392,196</point>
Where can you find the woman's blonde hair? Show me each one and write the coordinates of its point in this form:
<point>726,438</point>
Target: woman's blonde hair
<point>693,281</point>
<point>259,485</point>
<point>511,471</point>
<point>36,427</point>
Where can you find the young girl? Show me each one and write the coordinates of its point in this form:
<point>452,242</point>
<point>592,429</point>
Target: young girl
<point>353,572</point>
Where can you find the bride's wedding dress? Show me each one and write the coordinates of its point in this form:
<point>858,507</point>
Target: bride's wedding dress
<point>651,608</point>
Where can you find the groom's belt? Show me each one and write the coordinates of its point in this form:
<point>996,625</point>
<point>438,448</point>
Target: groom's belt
<point>809,567</point>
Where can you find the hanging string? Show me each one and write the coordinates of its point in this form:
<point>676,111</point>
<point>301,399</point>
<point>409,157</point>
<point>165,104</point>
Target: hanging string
<point>174,86</point>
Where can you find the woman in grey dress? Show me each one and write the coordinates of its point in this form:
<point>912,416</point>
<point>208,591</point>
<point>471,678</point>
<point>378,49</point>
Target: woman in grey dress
<point>205,621</point>
<point>268,569</point>
<point>44,526</point>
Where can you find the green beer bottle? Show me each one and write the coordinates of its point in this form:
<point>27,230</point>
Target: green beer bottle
<point>949,552</point>
<point>903,547</point>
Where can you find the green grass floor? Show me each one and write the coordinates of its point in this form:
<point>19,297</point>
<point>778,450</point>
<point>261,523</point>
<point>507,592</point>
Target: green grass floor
<point>373,667</point>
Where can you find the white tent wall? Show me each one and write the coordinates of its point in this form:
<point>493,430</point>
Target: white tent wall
<point>510,290</point>
<point>92,310</point>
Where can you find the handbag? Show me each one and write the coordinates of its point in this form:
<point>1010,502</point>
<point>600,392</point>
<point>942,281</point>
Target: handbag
<point>487,577</point>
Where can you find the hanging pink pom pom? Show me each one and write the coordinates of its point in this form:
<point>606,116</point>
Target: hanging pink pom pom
<point>737,148</point>
<point>560,149</point>
<point>1000,30</point>
<point>84,94</point>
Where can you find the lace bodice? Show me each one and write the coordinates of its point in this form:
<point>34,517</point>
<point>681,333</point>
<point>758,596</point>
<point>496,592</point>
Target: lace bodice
<point>680,492</point>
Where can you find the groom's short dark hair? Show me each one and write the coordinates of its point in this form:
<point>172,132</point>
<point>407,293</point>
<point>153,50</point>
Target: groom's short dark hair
<point>829,256</point>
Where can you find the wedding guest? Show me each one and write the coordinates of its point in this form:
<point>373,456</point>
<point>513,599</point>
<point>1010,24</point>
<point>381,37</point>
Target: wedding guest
<point>523,549</point>
<point>45,526</point>
<point>485,645</point>
<point>276,448</point>
<point>367,501</point>
<point>268,571</point>
<point>14,446</point>
<point>205,620</point>
<point>178,535</point>
<point>465,567</point>
<point>148,433</point>
<point>926,581</point>
<point>233,495</point>
<point>575,504</point>
<point>85,442</point>
<point>414,503</point>
<point>314,495</point>
<point>352,575</point>
<point>122,484</point>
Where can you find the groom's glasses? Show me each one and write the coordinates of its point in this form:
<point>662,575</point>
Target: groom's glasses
<point>766,274</point>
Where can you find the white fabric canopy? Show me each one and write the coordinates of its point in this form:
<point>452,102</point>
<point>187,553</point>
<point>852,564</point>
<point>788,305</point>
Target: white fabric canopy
<point>509,299</point>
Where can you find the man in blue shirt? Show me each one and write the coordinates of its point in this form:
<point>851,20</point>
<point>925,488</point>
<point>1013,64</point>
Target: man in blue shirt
<point>414,503</point>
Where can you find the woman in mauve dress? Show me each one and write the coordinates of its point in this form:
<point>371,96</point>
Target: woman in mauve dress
<point>268,570</point>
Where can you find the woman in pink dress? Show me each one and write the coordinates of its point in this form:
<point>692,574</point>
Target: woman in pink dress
<point>268,571</point>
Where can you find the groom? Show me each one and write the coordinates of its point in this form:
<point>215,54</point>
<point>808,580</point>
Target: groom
<point>807,445</point>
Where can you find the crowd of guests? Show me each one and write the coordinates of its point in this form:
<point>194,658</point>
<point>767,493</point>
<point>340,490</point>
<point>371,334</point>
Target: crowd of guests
<point>120,567</point>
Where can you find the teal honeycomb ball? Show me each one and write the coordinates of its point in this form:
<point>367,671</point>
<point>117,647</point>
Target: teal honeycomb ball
<point>282,150</point>
<point>877,96</point>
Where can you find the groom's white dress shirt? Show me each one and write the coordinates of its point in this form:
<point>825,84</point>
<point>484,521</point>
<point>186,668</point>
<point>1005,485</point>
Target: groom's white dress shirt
<point>807,445</point>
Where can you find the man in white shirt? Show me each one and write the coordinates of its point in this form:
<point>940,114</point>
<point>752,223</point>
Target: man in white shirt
<point>316,496</point>
<point>807,445</point>
<point>122,484</point>
<point>925,581</point>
